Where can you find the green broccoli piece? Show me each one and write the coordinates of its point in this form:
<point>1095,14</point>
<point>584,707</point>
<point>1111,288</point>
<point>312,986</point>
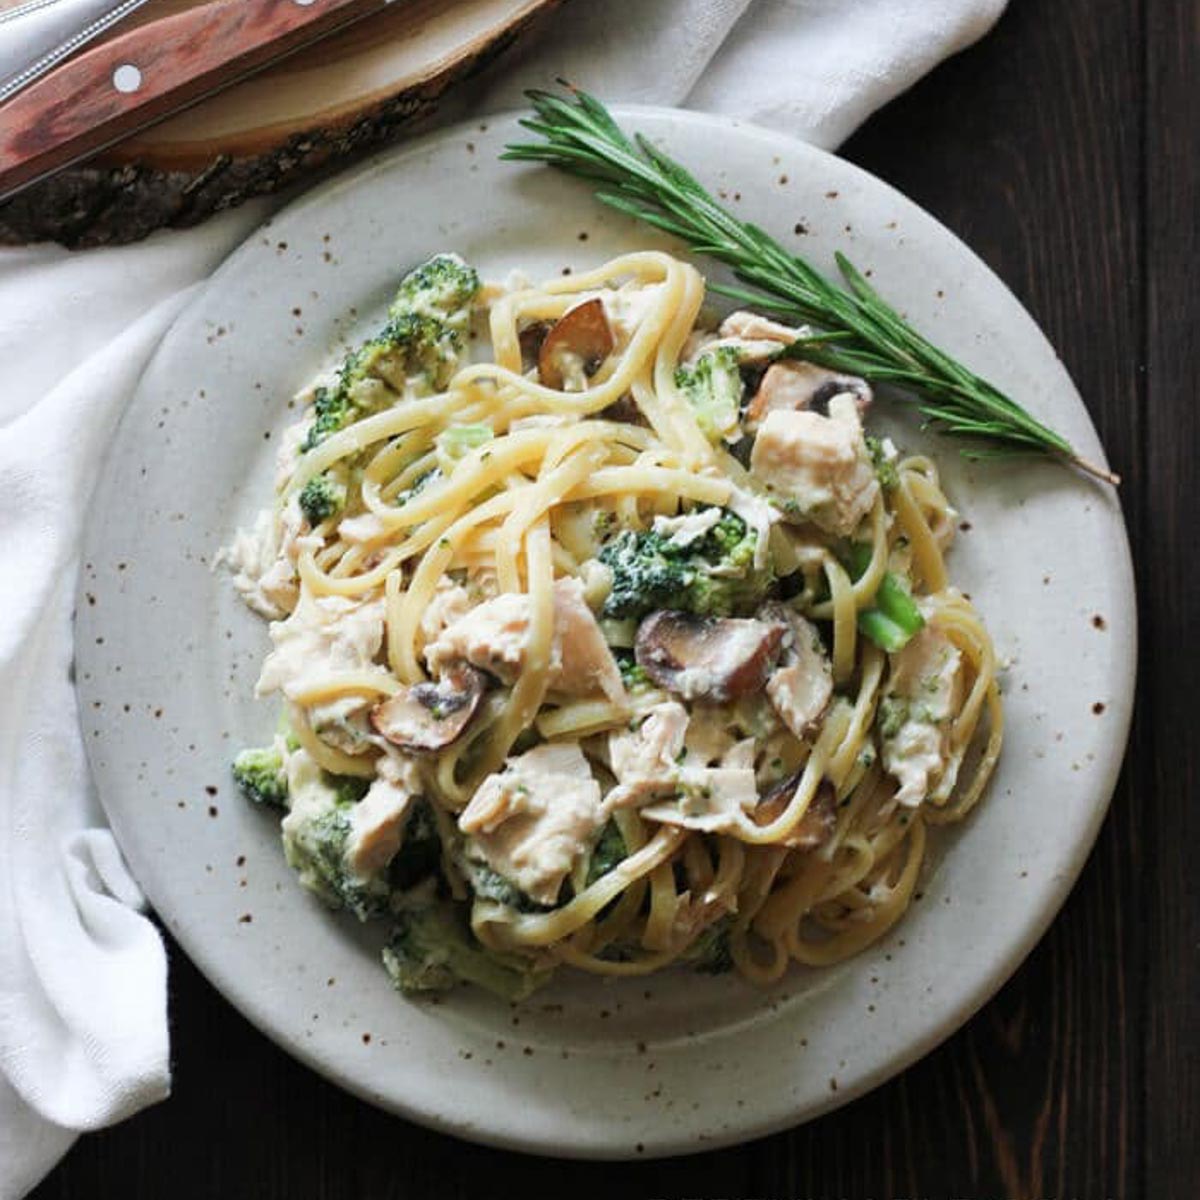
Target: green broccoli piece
<point>420,851</point>
<point>444,287</point>
<point>457,441</point>
<point>314,843</point>
<point>260,775</point>
<point>609,850</point>
<point>413,351</point>
<point>431,950</point>
<point>491,885</point>
<point>713,387</point>
<point>714,575</point>
<point>710,952</point>
<point>321,497</point>
<point>647,574</point>
<point>633,674</point>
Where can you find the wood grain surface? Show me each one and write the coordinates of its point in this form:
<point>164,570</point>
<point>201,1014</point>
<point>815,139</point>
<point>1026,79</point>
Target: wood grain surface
<point>314,112</point>
<point>1064,149</point>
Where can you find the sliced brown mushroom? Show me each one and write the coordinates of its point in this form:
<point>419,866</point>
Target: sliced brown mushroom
<point>795,386</point>
<point>816,827</point>
<point>624,410</point>
<point>530,339</point>
<point>707,658</point>
<point>578,342</point>
<point>429,716</point>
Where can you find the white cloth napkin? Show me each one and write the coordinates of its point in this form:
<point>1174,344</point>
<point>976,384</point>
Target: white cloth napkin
<point>83,1033</point>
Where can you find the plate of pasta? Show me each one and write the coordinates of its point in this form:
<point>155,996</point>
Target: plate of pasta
<point>559,670</point>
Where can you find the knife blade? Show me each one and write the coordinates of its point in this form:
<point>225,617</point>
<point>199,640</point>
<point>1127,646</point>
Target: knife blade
<point>56,54</point>
<point>152,72</point>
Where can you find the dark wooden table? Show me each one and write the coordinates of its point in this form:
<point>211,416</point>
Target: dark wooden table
<point>1064,149</point>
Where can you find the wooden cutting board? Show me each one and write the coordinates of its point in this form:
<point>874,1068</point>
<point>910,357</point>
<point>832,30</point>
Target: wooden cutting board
<point>324,106</point>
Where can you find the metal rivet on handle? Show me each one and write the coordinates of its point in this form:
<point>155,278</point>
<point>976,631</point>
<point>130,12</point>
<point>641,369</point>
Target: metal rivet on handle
<point>127,78</point>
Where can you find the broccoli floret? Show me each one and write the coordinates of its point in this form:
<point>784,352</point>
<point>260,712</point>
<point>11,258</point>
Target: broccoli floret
<point>883,461</point>
<point>443,287</point>
<point>314,841</point>
<point>457,441</point>
<point>413,351</point>
<point>710,952</point>
<point>491,885</point>
<point>633,674</point>
<point>431,950</point>
<point>609,850</point>
<point>420,851</point>
<point>647,574</point>
<point>714,575</point>
<point>713,387</point>
<point>260,775</point>
<point>321,497</point>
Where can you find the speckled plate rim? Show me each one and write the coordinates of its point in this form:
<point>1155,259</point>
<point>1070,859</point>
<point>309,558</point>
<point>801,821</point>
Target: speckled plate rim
<point>536,1125</point>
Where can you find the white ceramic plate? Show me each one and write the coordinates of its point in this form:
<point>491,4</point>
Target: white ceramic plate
<point>167,660</point>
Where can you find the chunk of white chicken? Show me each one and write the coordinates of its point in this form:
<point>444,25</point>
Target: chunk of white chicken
<point>533,821</point>
<point>494,636</point>
<point>801,685</point>
<point>646,760</point>
<point>378,820</point>
<point>794,386</point>
<point>710,799</point>
<point>325,634</point>
<point>817,468</point>
<point>655,767</point>
<point>916,717</point>
<point>756,338</point>
<point>450,602</point>
<point>264,573</point>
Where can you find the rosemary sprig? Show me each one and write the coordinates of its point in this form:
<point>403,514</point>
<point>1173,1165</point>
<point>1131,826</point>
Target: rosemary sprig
<point>855,329</point>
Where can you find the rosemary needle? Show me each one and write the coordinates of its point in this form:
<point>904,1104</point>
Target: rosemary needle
<point>854,329</point>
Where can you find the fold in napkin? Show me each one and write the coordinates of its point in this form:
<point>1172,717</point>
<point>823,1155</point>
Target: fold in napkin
<point>83,1032</point>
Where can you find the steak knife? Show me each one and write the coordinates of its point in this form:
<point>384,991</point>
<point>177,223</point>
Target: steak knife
<point>141,77</point>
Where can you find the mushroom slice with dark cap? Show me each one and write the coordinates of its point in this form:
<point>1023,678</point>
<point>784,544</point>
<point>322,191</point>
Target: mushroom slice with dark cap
<point>707,658</point>
<point>813,829</point>
<point>429,716</point>
<point>578,342</point>
<point>796,386</point>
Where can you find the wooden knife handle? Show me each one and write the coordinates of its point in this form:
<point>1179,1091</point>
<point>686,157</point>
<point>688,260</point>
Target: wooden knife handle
<point>124,85</point>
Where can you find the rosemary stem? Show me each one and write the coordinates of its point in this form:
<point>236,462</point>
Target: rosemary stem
<point>855,330</point>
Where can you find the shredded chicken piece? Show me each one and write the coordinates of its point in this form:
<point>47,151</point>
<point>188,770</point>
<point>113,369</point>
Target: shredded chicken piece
<point>378,820</point>
<point>494,636</point>
<point>324,634</point>
<point>801,687</point>
<point>817,468</point>
<point>794,386</point>
<point>916,715</point>
<point>532,821</point>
